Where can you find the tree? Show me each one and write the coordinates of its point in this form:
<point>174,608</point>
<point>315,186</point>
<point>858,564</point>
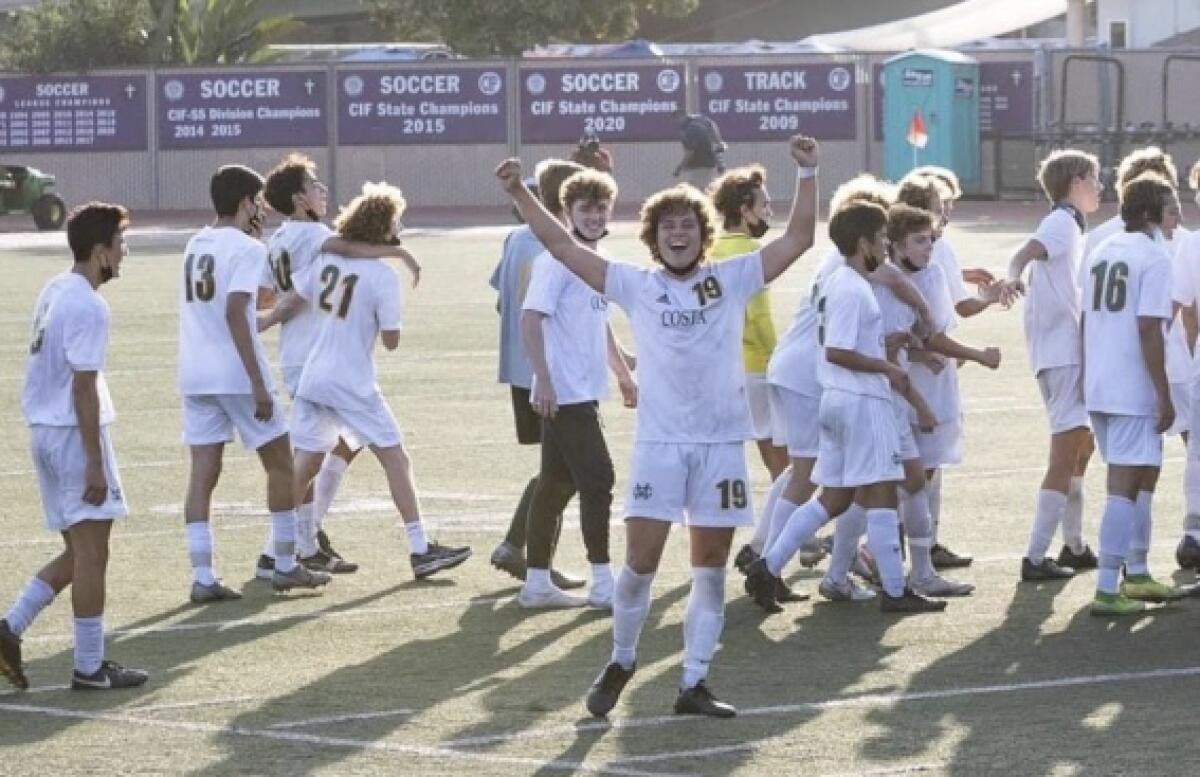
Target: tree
<point>223,32</point>
<point>508,27</point>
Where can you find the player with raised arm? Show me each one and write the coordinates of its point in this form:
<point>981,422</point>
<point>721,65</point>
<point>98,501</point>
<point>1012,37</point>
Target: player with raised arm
<point>357,303</point>
<point>689,463</point>
<point>68,408</point>
<point>226,381</point>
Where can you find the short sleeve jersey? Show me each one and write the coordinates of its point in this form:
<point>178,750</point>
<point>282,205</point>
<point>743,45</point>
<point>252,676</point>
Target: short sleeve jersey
<point>939,390</point>
<point>575,331</point>
<point>511,280</point>
<point>851,321</point>
<point>794,363</point>
<point>1179,358</point>
<point>688,332</point>
<point>1129,277</point>
<point>218,262</point>
<point>1052,304</point>
<point>354,300</point>
<point>945,257</point>
<point>69,335</point>
<point>758,338</point>
<point>291,251</point>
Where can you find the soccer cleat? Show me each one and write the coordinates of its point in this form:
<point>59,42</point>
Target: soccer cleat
<point>10,657</point>
<point>744,558</point>
<point>110,676</point>
<point>909,603</point>
<point>939,587</point>
<point>761,586</point>
<point>944,558</point>
<point>811,553</point>
<point>509,558</point>
<point>300,576</point>
<point>848,591</point>
<point>326,547</point>
<point>321,561</point>
<point>1115,604</point>
<point>565,580</point>
<point>549,599</point>
<point>217,592</point>
<point>784,593</point>
<point>601,595</point>
<point>1144,588</point>
<point>603,695</point>
<point>1045,570</point>
<point>437,558</point>
<point>698,700</point>
<point>864,565</point>
<point>264,568</point>
<point>1077,561</point>
<point>1187,553</point>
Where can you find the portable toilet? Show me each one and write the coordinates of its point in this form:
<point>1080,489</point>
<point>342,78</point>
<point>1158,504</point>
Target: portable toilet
<point>931,114</point>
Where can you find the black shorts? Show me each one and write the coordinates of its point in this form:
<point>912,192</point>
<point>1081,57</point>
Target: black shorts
<point>528,423</point>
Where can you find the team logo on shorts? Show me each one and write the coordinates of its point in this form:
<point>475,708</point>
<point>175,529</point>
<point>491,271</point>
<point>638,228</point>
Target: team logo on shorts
<point>840,79</point>
<point>642,491</point>
<point>668,80</point>
<point>490,83</point>
<point>173,89</point>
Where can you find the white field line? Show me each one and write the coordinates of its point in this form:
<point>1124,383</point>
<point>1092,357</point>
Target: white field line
<point>656,757</point>
<point>888,770</point>
<point>188,705</point>
<point>331,719</point>
<point>39,689</point>
<point>327,742</point>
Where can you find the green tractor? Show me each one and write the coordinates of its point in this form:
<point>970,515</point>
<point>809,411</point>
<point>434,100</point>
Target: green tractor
<point>28,190</point>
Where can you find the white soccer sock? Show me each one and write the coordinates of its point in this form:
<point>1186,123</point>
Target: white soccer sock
<point>306,530</point>
<point>1050,506</point>
<point>602,577</point>
<point>1116,530</point>
<point>1072,517</point>
<point>779,519</point>
<point>269,545</point>
<point>200,552</point>
<point>89,644</point>
<point>326,485</point>
<point>417,541</point>
<point>762,529</point>
<point>883,540</point>
<point>847,531</point>
<point>934,490</point>
<point>36,597</point>
<point>702,623</point>
<point>1137,560</point>
<point>283,529</point>
<point>538,579</point>
<point>631,605</point>
<point>918,527</point>
<point>802,525</point>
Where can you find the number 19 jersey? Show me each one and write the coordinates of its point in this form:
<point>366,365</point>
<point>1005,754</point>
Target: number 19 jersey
<point>218,262</point>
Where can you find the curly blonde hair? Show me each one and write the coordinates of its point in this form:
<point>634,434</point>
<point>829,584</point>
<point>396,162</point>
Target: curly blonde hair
<point>589,186</point>
<point>863,187</point>
<point>370,217</point>
<point>680,197</point>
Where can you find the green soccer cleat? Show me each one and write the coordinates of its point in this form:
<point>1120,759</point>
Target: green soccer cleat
<point>1146,589</point>
<point>1116,604</point>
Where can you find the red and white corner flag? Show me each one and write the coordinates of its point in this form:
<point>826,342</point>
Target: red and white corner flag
<point>917,136</point>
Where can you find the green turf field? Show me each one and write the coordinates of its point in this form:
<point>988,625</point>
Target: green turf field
<point>382,675</point>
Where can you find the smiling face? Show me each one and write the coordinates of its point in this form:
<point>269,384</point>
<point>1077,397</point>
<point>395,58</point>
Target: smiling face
<point>590,218</point>
<point>916,247</point>
<point>679,237</point>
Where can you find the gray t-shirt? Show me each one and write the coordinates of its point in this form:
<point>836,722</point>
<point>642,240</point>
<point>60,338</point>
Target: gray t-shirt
<point>511,280</point>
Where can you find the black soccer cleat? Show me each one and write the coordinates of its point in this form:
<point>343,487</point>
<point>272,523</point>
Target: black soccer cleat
<point>10,658</point>
<point>944,558</point>
<point>344,567</point>
<point>321,561</point>
<point>909,603</point>
<point>264,568</point>
<point>698,700</point>
<point>605,692</point>
<point>744,558</point>
<point>110,676</point>
<point>437,558</point>
<point>761,586</point>
<point>1043,571</point>
<point>785,594</point>
<point>1077,561</point>
<point>1187,553</point>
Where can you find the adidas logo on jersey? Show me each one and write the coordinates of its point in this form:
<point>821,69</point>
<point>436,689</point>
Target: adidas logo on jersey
<point>664,299</point>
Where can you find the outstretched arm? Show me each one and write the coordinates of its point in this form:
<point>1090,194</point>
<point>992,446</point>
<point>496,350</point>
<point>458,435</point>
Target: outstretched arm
<point>352,249</point>
<point>798,235</point>
<point>947,346</point>
<point>1031,251</point>
<point>591,268</point>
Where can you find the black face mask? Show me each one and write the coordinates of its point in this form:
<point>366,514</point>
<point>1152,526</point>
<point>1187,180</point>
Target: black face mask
<point>312,214</point>
<point>759,229</point>
<point>681,272</point>
<point>909,265</point>
<point>871,262</point>
<point>106,274</point>
<point>580,237</point>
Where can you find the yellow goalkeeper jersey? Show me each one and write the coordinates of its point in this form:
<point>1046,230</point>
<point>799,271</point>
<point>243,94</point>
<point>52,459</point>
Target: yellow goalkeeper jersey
<point>758,338</point>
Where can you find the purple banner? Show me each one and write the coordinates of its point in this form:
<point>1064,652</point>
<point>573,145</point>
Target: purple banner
<point>420,106</point>
<point>1005,98</point>
<point>73,113</point>
<point>248,109</point>
<point>773,102</point>
<point>615,102</point>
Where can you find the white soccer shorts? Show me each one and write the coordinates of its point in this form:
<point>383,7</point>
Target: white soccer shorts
<point>697,484</point>
<point>1128,440</point>
<point>60,462</point>
<point>942,447</point>
<point>209,419</point>
<point>317,427</point>
<point>908,442</point>
<point>860,445</point>
<point>1181,398</point>
<point>291,380</point>
<point>1062,393</point>
<point>798,416</point>
<point>767,424</point>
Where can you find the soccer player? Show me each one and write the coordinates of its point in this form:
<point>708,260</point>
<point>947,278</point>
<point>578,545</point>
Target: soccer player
<point>293,190</point>
<point>68,408</point>
<point>226,382</point>
<point>859,454</point>
<point>1187,295</point>
<point>689,463</point>
<point>358,303</point>
<point>1127,307</point>
<point>567,336</point>
<point>1070,181</point>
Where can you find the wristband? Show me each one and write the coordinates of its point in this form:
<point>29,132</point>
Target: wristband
<point>803,172</point>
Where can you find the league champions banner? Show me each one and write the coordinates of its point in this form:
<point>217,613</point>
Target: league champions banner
<point>248,109</point>
<point>616,102</point>
<point>775,101</point>
<point>422,106</point>
<point>73,113</point>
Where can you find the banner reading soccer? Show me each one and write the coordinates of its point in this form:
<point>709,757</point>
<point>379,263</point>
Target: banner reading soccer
<point>224,109</point>
<point>422,106</point>
<point>621,103</point>
<point>772,102</point>
<point>73,113</point>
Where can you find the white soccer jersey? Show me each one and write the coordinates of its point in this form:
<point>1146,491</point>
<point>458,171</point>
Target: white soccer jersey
<point>849,319</point>
<point>689,344</point>
<point>794,363</point>
<point>291,251</point>
<point>575,331</point>
<point>69,335</point>
<point>945,257</point>
<point>354,301</point>
<point>1052,304</point>
<point>940,390</point>
<point>218,262</point>
<point>1129,277</point>
<point>1179,358</point>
